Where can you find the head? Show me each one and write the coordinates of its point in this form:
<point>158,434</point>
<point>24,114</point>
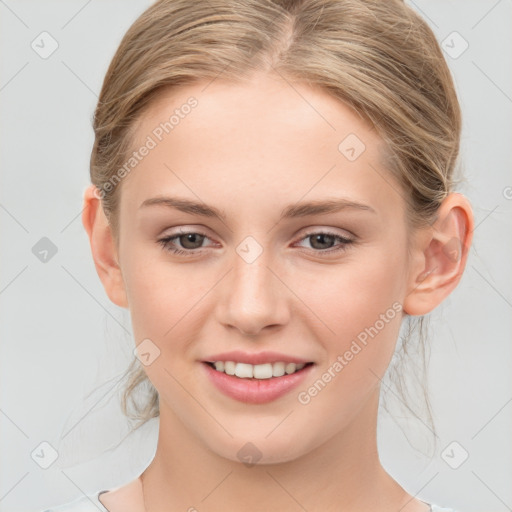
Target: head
<point>250,110</point>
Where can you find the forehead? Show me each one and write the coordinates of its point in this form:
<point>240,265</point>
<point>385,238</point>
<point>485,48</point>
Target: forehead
<point>266,142</point>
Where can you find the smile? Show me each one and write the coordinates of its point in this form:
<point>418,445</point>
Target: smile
<point>256,378</point>
<point>257,371</point>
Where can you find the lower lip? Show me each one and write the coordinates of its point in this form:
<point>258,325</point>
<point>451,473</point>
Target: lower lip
<point>255,391</point>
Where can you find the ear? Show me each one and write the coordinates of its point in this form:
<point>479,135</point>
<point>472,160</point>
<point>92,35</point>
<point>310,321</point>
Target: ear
<point>103,247</point>
<point>441,252</point>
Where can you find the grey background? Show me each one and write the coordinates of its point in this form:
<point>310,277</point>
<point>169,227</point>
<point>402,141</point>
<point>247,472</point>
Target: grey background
<point>64,345</point>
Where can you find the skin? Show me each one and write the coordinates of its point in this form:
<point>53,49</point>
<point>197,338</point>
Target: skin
<point>250,150</point>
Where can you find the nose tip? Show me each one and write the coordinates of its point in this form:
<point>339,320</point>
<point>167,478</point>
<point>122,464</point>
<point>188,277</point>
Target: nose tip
<point>254,299</point>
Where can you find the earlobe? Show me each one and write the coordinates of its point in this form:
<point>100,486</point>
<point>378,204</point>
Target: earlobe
<point>444,254</point>
<point>103,247</point>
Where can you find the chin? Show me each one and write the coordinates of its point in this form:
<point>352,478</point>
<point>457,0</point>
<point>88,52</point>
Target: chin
<point>252,450</point>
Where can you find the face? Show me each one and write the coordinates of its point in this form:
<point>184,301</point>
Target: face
<point>260,276</point>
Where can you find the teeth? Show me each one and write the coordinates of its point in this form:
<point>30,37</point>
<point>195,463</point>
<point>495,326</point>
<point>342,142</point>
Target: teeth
<point>244,371</point>
<point>262,371</point>
<point>257,371</point>
<point>290,368</point>
<point>278,369</point>
<point>229,367</point>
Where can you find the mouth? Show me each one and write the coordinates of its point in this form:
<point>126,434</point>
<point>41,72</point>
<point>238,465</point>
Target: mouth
<point>257,371</point>
<point>265,379</point>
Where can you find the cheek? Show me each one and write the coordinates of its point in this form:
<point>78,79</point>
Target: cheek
<point>163,304</point>
<point>157,302</point>
<point>164,298</point>
<point>360,303</point>
<point>353,295</point>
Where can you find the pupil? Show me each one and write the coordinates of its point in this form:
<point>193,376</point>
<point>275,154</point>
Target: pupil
<point>320,237</point>
<point>189,238</point>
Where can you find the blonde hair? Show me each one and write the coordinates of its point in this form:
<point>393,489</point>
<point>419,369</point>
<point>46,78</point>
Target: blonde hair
<point>380,58</point>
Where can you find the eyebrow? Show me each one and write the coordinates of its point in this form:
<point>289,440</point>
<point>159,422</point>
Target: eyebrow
<point>302,209</point>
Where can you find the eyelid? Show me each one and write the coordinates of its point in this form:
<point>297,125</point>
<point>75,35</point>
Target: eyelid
<point>344,241</point>
<point>312,230</point>
<point>181,230</point>
<point>303,233</point>
<point>188,231</point>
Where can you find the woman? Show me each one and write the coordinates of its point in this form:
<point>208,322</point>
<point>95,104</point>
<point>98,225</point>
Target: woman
<point>272,195</point>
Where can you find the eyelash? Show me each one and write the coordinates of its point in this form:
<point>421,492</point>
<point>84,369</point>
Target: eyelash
<point>164,242</point>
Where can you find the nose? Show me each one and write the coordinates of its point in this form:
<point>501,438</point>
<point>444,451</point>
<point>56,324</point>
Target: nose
<point>254,297</point>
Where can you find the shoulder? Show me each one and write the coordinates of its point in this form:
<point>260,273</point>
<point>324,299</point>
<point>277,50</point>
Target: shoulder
<point>90,503</point>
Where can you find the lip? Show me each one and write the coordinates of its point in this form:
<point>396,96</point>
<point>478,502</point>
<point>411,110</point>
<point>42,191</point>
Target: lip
<point>255,391</point>
<point>238,356</point>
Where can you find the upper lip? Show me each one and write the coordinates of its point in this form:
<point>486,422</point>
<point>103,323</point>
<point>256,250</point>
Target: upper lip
<point>255,358</point>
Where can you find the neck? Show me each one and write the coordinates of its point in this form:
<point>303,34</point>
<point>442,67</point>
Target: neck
<point>344,473</point>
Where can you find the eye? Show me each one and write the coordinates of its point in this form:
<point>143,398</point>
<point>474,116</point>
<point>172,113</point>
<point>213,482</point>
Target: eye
<point>321,241</point>
<point>189,240</point>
